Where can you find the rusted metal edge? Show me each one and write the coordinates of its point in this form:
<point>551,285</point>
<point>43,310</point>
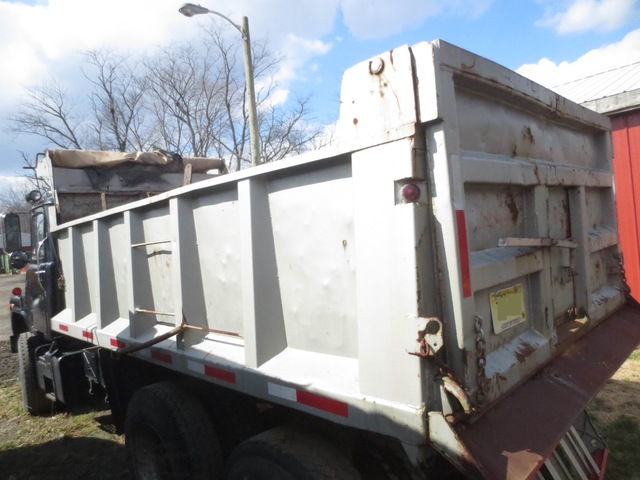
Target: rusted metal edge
<point>513,439</point>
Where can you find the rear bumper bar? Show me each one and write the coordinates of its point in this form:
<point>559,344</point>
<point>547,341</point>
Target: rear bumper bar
<point>513,439</point>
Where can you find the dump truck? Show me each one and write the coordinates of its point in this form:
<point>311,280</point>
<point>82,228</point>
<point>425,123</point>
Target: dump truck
<point>439,292</point>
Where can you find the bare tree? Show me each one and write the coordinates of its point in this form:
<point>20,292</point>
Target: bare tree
<point>51,113</point>
<point>184,95</point>
<point>117,103</point>
<point>287,132</point>
<point>285,129</point>
<point>199,96</point>
<point>34,182</point>
<point>13,200</point>
<point>182,99</point>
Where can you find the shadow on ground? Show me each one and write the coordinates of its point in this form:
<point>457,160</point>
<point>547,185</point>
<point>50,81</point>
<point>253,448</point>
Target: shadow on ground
<point>66,458</point>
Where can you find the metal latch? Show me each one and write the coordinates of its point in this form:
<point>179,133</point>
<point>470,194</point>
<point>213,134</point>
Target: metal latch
<point>429,340</point>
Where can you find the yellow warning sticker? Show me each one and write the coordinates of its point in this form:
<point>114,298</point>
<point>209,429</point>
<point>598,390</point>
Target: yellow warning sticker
<point>507,308</point>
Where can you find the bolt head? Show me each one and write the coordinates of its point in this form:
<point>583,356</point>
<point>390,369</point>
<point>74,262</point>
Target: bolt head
<point>376,66</point>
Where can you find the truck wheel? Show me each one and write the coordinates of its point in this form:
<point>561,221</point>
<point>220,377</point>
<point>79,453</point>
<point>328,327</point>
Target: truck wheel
<point>168,435</point>
<point>33,398</point>
<point>285,453</point>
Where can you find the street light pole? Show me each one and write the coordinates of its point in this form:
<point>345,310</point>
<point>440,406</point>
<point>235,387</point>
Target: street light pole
<point>254,133</point>
<point>189,10</point>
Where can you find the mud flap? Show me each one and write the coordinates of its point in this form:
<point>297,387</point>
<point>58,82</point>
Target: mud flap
<point>512,440</point>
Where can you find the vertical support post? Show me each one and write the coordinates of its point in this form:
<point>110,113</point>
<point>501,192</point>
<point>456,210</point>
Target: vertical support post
<point>186,274</point>
<point>98,235</point>
<point>537,225</point>
<point>579,232</point>
<point>264,328</point>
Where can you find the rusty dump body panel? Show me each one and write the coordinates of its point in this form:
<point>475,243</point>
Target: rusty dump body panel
<point>512,440</point>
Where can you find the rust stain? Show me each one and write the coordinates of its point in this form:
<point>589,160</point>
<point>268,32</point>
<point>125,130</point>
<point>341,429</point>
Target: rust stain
<point>466,67</point>
<point>511,205</point>
<point>523,351</point>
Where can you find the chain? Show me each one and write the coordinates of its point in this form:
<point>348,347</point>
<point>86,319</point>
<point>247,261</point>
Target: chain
<point>623,275</point>
<point>481,361</point>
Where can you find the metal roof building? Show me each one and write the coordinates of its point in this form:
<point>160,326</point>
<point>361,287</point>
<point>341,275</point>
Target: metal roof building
<point>610,92</point>
<point>616,93</point>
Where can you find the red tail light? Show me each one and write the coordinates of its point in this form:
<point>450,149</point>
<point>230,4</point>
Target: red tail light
<point>411,192</point>
<point>16,291</point>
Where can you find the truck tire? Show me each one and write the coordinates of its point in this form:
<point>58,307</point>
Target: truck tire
<point>34,399</point>
<point>285,453</point>
<point>168,435</point>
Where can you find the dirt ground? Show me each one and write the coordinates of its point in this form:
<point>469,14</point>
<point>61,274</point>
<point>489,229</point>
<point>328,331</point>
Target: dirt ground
<point>8,363</point>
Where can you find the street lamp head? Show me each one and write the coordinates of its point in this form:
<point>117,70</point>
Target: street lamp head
<point>191,9</point>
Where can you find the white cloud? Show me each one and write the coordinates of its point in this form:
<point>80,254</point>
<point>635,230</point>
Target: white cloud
<point>35,37</point>
<point>279,18</point>
<point>297,52</point>
<point>614,55</point>
<point>370,19</point>
<point>18,184</point>
<point>585,15</point>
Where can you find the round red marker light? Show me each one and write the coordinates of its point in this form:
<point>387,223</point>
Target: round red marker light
<point>16,291</point>
<point>410,192</point>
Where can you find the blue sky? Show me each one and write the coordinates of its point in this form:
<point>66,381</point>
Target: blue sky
<point>550,41</point>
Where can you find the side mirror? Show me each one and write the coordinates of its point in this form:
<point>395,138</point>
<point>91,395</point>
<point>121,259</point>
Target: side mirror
<point>18,259</point>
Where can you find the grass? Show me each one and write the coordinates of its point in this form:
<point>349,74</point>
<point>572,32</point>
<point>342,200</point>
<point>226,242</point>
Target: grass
<point>17,428</point>
<point>616,411</point>
<point>66,445</point>
<point>623,439</point>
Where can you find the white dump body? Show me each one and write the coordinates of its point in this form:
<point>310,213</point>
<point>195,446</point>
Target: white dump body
<point>314,282</point>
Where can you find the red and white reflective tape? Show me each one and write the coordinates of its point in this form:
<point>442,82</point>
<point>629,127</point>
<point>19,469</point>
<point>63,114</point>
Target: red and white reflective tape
<point>161,356</point>
<point>213,372</point>
<point>309,399</point>
<point>75,330</point>
<point>117,343</point>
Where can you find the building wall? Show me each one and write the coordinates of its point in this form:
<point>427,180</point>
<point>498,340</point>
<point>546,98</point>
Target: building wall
<point>626,164</point>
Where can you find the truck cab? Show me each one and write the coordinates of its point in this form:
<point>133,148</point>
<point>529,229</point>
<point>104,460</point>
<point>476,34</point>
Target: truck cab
<point>32,308</point>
